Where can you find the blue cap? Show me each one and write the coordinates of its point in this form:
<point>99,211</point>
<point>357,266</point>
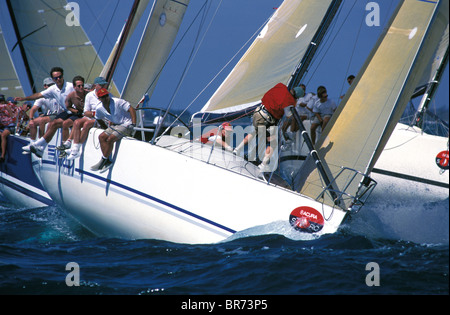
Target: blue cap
<point>298,91</point>
<point>100,80</point>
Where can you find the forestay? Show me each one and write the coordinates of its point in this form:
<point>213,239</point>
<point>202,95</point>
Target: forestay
<point>272,57</point>
<point>363,123</point>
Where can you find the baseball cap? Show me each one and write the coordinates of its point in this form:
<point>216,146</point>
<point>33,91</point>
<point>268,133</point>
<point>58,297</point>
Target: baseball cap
<point>48,81</point>
<point>100,80</point>
<point>298,91</point>
<point>102,92</point>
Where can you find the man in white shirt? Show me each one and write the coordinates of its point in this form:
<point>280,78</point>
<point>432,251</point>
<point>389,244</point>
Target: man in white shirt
<point>59,92</point>
<point>120,116</point>
<point>81,127</point>
<point>323,110</point>
<point>49,108</point>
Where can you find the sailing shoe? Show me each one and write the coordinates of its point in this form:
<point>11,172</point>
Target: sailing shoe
<point>63,153</point>
<point>74,155</point>
<point>106,166</point>
<point>66,145</point>
<point>37,149</point>
<point>99,165</point>
<point>26,149</point>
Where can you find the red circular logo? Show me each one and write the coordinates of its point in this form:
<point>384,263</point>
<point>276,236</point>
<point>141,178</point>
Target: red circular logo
<point>306,219</point>
<point>442,160</point>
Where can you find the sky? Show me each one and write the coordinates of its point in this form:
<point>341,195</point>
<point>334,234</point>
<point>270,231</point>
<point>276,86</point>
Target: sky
<point>235,21</point>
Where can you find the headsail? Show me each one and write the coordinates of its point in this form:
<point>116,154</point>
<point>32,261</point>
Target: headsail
<point>273,56</point>
<point>9,82</point>
<point>48,41</point>
<point>363,123</point>
<point>154,48</point>
<point>138,9</point>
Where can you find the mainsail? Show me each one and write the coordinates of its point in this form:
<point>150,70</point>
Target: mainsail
<point>9,82</point>
<point>363,123</point>
<point>48,41</point>
<point>273,56</point>
<point>156,42</point>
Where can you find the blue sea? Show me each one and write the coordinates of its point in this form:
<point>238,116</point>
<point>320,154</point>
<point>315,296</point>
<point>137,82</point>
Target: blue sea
<point>373,254</point>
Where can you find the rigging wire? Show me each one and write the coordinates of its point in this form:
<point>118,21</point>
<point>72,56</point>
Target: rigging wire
<point>324,51</point>
<point>191,58</point>
<point>176,46</point>
<point>97,24</point>
<point>223,69</point>
<point>352,53</point>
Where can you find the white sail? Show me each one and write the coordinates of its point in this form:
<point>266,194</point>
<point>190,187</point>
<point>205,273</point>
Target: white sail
<point>273,55</point>
<point>156,42</point>
<point>137,17</point>
<point>9,81</point>
<point>50,41</point>
<point>363,123</point>
<point>437,61</point>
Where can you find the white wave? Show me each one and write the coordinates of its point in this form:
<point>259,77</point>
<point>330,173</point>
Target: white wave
<point>409,221</point>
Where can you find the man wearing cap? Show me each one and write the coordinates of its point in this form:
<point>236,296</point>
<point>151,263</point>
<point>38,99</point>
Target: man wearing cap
<point>219,135</point>
<point>120,116</point>
<point>81,127</point>
<point>49,108</point>
<point>274,105</point>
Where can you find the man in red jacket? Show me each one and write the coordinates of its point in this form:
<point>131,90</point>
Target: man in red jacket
<point>272,109</point>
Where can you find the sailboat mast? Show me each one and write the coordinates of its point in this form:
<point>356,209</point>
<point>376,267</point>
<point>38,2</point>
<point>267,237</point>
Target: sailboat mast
<point>122,41</point>
<point>302,67</point>
<point>22,49</point>
<point>430,91</point>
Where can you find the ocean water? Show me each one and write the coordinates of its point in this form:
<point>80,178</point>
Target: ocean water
<point>373,254</point>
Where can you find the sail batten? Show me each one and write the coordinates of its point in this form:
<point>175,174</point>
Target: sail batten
<point>273,56</point>
<point>360,128</point>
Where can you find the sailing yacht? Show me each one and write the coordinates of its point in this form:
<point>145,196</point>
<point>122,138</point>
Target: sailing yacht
<point>180,190</point>
<point>184,191</point>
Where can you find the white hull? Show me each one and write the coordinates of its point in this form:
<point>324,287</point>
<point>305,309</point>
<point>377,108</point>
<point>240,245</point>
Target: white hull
<point>409,160</point>
<point>406,169</point>
<point>153,192</point>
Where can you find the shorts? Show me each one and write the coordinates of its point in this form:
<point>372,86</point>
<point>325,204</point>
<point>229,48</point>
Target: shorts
<point>316,120</point>
<point>67,115</point>
<point>119,131</point>
<point>262,118</point>
<point>51,116</point>
<point>11,128</point>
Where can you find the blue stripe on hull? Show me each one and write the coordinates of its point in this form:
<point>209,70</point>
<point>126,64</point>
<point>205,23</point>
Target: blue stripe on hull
<point>69,169</point>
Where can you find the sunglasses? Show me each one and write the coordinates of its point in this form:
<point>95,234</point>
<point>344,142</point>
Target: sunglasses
<point>80,86</point>
<point>58,77</point>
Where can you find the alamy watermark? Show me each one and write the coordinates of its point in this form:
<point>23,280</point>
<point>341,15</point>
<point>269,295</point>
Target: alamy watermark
<point>373,277</point>
<point>373,17</point>
<point>73,17</point>
<point>73,277</point>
